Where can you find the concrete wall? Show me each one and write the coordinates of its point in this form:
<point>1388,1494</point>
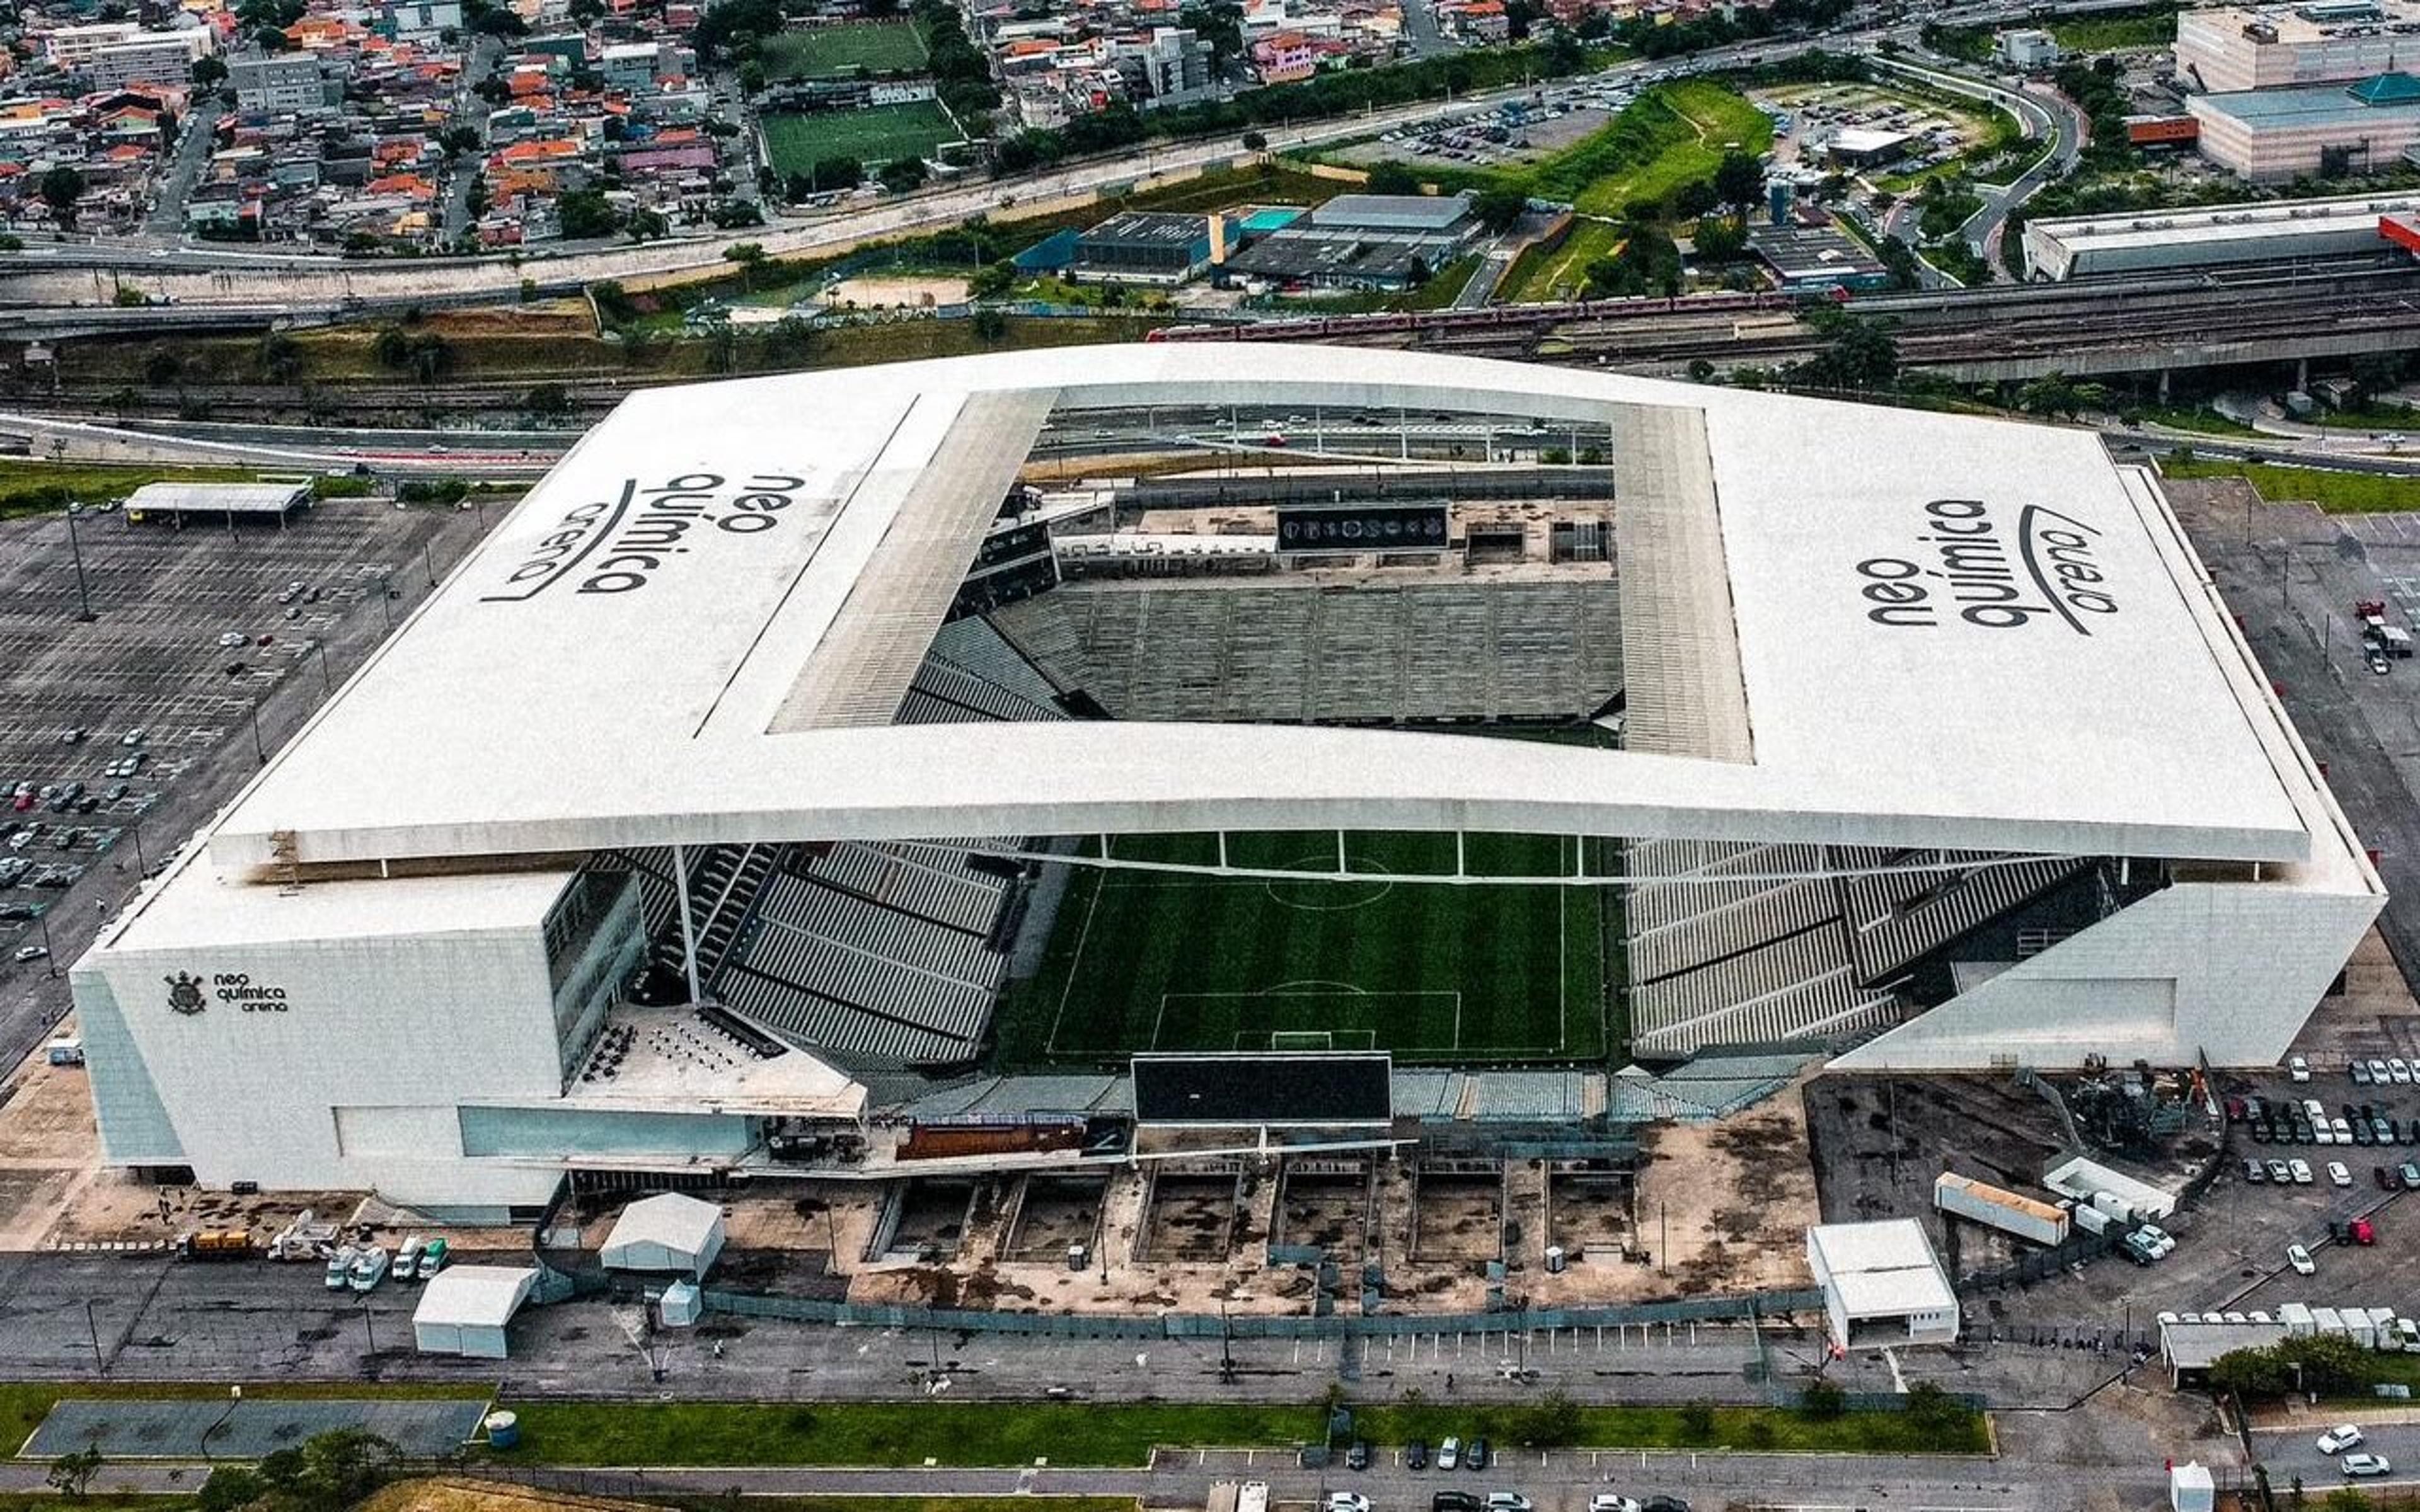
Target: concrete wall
<point>347,1081</point>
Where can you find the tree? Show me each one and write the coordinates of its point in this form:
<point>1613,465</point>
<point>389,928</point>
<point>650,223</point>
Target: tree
<point>279,358</point>
<point>1697,1422</point>
<point>209,72</point>
<point>1391,178</point>
<point>1861,353</point>
<point>612,301</point>
<point>1934,1410</point>
<point>454,140</point>
<point>899,175</point>
<point>990,325</point>
<point>2345,1498</point>
<point>992,280</point>
<point>61,187</point>
<point>584,215</point>
<point>1554,1420</point>
<point>390,346</point>
<point>230,1488</point>
<point>749,256</point>
<point>1255,142</point>
<point>1823,1401</point>
<point>1695,198</point>
<point>836,172</point>
<point>2254,1375</point>
<point>547,400</point>
<point>161,366</point>
<point>1720,239</point>
<point>1739,180</point>
<point>72,1473</point>
<point>1499,209</point>
<point>751,78</point>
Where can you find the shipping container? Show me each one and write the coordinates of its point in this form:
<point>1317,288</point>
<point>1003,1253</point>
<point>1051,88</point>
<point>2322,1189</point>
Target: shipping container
<point>1997,1207</point>
<point>2298,1320</point>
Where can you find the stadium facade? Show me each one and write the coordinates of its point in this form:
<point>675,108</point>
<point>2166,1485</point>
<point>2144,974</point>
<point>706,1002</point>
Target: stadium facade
<point>1938,750</point>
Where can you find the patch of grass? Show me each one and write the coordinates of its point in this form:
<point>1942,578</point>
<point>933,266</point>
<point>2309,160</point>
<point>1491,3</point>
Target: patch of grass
<point>1665,1428</point>
<point>2195,418</point>
<point>874,135</point>
<point>2116,30</point>
<point>828,52</point>
<point>1428,970</point>
<point>984,1434</point>
<point>2369,417</point>
<point>1704,117</point>
<point>45,487</point>
<point>891,1433</point>
<point>2338,493</point>
<point>896,1504</point>
<point>1544,273</point>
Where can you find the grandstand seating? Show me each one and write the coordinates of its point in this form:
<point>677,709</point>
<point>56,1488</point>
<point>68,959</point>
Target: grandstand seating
<point>1810,956</point>
<point>1326,654</point>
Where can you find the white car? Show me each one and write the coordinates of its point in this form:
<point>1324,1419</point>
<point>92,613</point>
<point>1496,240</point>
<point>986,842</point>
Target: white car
<point>2336,1439</point>
<point>2399,1071</point>
<point>1347,1501</point>
<point>233,639</point>
<point>2366,1465</point>
<point>2297,1069</point>
<point>2301,1169</point>
<point>2337,1175</point>
<point>1608,1502</point>
<point>1449,1454</point>
<point>1507,1502</point>
<point>30,952</point>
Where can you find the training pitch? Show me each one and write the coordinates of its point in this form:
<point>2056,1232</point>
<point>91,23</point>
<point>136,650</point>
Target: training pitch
<point>874,135</point>
<point>1433,971</point>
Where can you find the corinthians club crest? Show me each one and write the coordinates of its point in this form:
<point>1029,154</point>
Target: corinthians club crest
<point>184,991</point>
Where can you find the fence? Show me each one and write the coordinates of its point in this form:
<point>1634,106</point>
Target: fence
<point>1243,1326</point>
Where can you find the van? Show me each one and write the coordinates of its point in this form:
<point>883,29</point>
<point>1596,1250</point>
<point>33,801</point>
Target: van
<point>406,1258</point>
<point>340,1267</point>
<point>369,1268</point>
<point>432,1260</point>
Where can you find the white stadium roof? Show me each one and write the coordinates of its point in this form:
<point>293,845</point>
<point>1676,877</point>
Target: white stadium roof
<point>1842,624</point>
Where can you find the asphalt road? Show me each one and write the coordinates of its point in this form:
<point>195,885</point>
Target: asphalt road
<point>2290,1452</point>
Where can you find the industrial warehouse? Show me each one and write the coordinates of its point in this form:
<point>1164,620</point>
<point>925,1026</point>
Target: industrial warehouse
<point>762,787</point>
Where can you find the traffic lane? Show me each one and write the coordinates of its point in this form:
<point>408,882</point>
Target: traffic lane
<point>2288,1452</point>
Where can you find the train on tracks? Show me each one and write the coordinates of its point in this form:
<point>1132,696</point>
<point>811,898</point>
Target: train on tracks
<point>1313,328</point>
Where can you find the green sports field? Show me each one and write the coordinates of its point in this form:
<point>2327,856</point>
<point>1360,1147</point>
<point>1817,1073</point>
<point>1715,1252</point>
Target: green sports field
<point>874,135</point>
<point>829,52</point>
<point>1433,971</point>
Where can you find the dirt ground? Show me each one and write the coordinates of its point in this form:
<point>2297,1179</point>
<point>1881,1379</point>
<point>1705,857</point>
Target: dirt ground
<point>1459,1219</point>
<point>1054,1214</point>
<point>544,317</point>
<point>477,1496</point>
<point>1331,1211</point>
<point>1587,1212</point>
<point>1191,1219</point>
<point>897,293</point>
<point>1735,1197</point>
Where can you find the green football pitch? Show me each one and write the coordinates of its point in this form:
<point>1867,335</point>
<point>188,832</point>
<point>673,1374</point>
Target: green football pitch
<point>827,51</point>
<point>873,136</point>
<point>1433,971</point>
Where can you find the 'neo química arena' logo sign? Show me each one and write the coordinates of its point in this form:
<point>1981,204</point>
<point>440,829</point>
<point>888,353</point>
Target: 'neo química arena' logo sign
<point>1976,570</point>
<point>617,544</point>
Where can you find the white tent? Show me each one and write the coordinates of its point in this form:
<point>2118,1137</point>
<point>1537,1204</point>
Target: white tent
<point>464,1309</point>
<point>666,1232</point>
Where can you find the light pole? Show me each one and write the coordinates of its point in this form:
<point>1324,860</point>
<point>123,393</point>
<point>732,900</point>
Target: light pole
<point>75,549</point>
<point>100,1362</point>
<point>50,962</point>
<point>325,683</point>
<point>258,750</point>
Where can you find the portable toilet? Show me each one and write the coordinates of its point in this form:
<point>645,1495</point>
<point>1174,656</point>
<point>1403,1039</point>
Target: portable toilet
<point>2190,1488</point>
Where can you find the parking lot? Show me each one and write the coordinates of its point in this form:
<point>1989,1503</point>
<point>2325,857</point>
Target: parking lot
<point>146,709</point>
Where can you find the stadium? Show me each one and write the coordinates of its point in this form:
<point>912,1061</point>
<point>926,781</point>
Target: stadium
<point>942,747</point>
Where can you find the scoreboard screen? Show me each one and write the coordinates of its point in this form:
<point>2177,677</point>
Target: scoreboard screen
<point>1372,527</point>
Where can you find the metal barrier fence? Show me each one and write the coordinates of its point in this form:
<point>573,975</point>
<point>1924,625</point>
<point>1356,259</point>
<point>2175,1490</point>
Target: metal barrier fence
<point>1243,1326</point>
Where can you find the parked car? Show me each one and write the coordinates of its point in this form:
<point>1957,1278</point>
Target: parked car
<point>1416,1455</point>
<point>1449,1454</point>
<point>2297,1069</point>
<point>2337,1175</point>
<point>1357,1457</point>
<point>1451,1500</point>
<point>2252,1172</point>
<point>2366,1464</point>
<point>2300,1258</point>
<point>1507,1502</point>
<point>2281,1173</point>
<point>1475,1455</point>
